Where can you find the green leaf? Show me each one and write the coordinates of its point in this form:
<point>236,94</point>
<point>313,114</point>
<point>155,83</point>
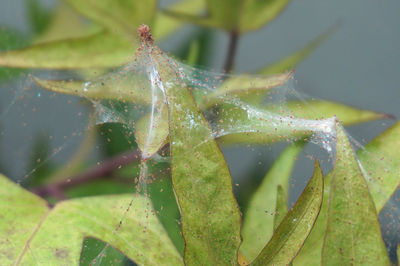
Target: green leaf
<point>258,129</point>
<point>255,13</point>
<point>386,144</point>
<point>99,89</point>
<point>379,159</point>
<point>10,39</point>
<point>290,61</point>
<point>202,183</point>
<point>37,234</point>
<point>295,227</point>
<point>398,254</point>
<point>164,25</point>
<point>310,254</point>
<point>243,85</point>
<point>258,221</point>
<point>220,14</point>
<point>280,207</point>
<point>39,16</point>
<point>321,109</point>
<point>234,15</point>
<point>353,234</point>
<point>99,50</point>
<point>118,16</point>
<point>92,247</point>
<point>65,24</point>
<point>151,137</point>
<point>117,138</point>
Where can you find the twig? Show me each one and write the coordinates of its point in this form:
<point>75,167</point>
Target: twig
<point>105,168</point>
<point>230,56</point>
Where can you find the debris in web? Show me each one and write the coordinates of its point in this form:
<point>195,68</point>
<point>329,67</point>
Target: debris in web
<point>238,109</point>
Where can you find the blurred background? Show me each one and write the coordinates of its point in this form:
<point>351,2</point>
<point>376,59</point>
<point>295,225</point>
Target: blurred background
<point>357,64</point>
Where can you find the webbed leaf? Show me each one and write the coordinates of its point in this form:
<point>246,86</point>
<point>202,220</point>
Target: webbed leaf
<point>202,183</point>
<point>353,234</point>
<point>386,145</point>
<point>258,222</point>
<point>37,234</point>
<point>295,227</point>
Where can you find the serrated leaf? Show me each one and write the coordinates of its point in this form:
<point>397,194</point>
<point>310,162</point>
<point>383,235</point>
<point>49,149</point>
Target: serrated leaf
<point>353,233</point>
<point>295,227</point>
<point>280,206</point>
<point>386,145</point>
<point>290,61</point>
<point>258,221</point>
<point>255,14</point>
<point>37,234</point>
<point>164,25</point>
<point>118,16</point>
<point>99,50</point>
<point>202,183</point>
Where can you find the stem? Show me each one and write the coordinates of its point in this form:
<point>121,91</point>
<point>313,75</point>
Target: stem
<point>105,168</point>
<point>230,56</point>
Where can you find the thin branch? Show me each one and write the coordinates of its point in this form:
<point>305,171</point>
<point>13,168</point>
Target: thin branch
<point>230,56</point>
<point>101,170</point>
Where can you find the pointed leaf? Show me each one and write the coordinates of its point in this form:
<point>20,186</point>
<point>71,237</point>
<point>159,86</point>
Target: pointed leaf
<point>295,227</point>
<point>240,127</point>
<point>36,234</point>
<point>320,109</point>
<point>106,89</point>
<point>118,16</point>
<point>202,182</point>
<point>99,50</point>
<point>255,14</point>
<point>259,219</point>
<point>243,85</point>
<point>353,234</point>
<point>381,191</point>
<point>380,159</point>
<point>280,207</point>
<point>290,61</point>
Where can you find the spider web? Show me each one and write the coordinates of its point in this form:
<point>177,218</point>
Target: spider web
<point>241,109</point>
